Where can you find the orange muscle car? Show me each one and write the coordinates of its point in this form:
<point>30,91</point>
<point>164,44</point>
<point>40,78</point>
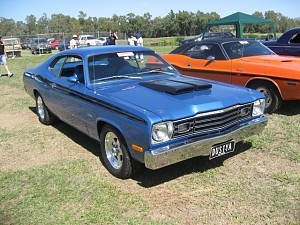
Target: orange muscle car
<point>242,62</point>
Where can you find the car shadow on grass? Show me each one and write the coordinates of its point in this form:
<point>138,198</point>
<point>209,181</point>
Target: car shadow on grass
<point>149,178</point>
<point>290,108</point>
<point>78,137</point>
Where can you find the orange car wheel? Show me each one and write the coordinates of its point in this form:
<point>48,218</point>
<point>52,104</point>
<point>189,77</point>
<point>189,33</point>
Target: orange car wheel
<point>273,98</point>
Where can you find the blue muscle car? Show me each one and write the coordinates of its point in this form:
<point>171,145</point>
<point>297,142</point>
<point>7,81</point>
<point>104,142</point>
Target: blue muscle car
<point>140,108</point>
<point>287,44</point>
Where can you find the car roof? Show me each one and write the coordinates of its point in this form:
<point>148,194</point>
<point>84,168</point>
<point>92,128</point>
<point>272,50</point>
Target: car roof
<point>86,51</point>
<point>208,41</point>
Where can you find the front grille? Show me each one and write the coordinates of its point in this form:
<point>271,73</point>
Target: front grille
<point>214,121</point>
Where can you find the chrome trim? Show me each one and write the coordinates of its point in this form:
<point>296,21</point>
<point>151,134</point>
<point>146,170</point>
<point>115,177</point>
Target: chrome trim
<point>212,121</point>
<point>195,147</point>
<point>219,111</point>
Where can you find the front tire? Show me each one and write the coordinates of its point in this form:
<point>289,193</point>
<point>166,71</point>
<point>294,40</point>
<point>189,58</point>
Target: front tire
<point>273,98</point>
<point>114,153</point>
<point>44,115</point>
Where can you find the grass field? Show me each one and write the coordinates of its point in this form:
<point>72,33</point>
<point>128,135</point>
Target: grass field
<point>52,174</point>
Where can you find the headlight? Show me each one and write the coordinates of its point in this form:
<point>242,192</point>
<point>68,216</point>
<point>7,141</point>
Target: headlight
<point>258,107</point>
<point>162,132</point>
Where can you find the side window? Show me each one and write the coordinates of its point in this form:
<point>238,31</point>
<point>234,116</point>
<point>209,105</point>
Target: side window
<point>215,51</point>
<point>203,51</point>
<point>56,66</point>
<point>295,39</point>
<point>65,67</point>
<point>73,66</point>
<point>197,51</point>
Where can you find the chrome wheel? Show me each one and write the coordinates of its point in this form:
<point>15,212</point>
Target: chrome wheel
<point>40,107</point>
<point>113,150</point>
<point>45,116</point>
<point>273,98</point>
<point>267,94</point>
<point>114,153</point>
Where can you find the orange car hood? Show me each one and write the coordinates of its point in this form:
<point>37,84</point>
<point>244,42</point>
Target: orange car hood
<point>275,65</point>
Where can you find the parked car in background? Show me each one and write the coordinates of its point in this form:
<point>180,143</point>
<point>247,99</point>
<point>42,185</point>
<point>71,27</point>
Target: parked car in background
<point>12,46</point>
<point>142,111</point>
<point>287,44</point>
<point>54,44</point>
<point>88,40</point>
<point>208,35</point>
<point>103,40</point>
<point>25,44</point>
<point>39,46</point>
<point>243,62</point>
<point>63,44</point>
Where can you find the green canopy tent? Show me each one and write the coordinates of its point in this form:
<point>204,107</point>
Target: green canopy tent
<point>239,19</point>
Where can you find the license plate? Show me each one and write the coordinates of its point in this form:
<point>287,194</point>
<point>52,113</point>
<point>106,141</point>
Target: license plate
<point>222,149</point>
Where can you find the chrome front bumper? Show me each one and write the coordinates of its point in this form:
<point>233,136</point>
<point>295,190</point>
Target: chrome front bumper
<point>168,155</point>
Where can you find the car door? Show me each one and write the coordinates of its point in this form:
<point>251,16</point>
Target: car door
<point>204,61</point>
<point>293,48</point>
<point>68,96</point>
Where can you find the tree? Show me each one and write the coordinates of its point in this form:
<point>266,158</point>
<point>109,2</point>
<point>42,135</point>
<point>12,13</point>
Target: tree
<point>185,22</point>
<point>42,24</point>
<point>7,26</point>
<point>62,24</point>
<point>171,25</point>
<point>31,24</point>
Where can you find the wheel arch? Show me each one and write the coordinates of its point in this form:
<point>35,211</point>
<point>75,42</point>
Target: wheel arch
<point>266,80</point>
<point>101,123</point>
<point>127,142</point>
<point>36,92</point>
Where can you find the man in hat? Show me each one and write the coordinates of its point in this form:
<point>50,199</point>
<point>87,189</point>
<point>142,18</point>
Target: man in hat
<point>3,57</point>
<point>73,42</point>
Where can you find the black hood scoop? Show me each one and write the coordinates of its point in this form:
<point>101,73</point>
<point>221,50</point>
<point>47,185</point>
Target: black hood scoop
<point>176,86</point>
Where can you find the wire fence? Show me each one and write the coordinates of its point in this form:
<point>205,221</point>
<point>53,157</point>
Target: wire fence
<point>122,37</point>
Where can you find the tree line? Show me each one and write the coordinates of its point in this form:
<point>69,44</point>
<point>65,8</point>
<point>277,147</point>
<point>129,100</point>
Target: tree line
<point>182,23</point>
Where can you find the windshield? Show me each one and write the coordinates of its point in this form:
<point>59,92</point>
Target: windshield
<point>40,40</point>
<point>246,48</point>
<point>11,41</point>
<point>90,37</point>
<point>126,65</point>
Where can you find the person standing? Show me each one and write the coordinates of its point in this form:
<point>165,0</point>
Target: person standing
<point>112,38</point>
<point>131,40</point>
<point>3,57</point>
<point>140,42</point>
<point>73,42</point>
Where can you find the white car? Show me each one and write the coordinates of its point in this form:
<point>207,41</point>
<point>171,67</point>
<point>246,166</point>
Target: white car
<point>103,40</point>
<point>88,40</point>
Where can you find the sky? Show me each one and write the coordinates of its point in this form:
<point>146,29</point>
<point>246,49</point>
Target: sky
<point>18,9</point>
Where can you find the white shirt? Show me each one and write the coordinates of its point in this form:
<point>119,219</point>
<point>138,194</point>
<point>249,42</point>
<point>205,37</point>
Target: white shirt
<point>140,41</point>
<point>73,43</point>
<point>130,41</point>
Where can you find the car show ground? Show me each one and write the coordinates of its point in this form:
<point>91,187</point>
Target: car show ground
<point>52,174</point>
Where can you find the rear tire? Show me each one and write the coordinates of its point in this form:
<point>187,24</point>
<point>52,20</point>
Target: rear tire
<point>114,153</point>
<point>44,115</point>
<point>273,98</point>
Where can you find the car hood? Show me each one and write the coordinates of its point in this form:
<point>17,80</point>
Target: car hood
<point>275,65</point>
<point>181,98</point>
<point>273,58</point>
